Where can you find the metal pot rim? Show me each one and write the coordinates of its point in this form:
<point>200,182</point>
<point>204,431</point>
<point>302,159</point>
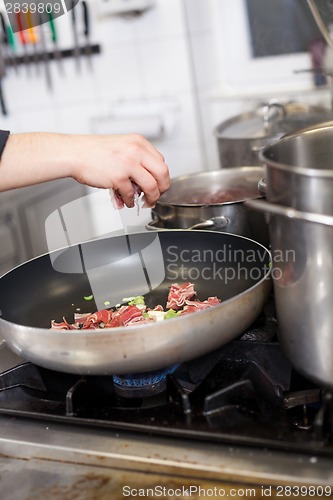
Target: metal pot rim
<point>165,203</point>
<point>307,172</point>
<point>227,172</point>
<point>221,129</point>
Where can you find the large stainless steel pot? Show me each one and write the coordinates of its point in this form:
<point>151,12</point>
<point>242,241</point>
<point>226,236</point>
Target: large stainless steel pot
<point>186,204</point>
<point>241,138</point>
<point>302,256</point>
<point>299,169</point>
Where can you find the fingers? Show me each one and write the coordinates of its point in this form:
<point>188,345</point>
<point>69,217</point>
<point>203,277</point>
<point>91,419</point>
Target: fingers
<point>124,195</point>
<point>148,185</point>
<point>158,170</point>
<point>116,162</point>
<point>147,170</point>
<point>152,187</point>
<point>116,199</point>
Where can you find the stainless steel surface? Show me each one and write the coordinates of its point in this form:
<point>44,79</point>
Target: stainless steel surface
<point>241,138</point>
<point>60,461</point>
<point>262,187</point>
<point>302,272</point>
<point>57,461</point>
<point>291,213</point>
<point>143,347</point>
<point>53,460</point>
<point>172,212</point>
<point>299,170</point>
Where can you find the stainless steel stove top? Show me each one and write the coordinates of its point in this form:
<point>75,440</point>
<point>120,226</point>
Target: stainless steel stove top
<point>54,460</point>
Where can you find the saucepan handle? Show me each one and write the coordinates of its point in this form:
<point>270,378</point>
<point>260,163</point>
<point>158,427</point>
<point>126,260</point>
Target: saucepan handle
<point>290,213</point>
<point>215,222</point>
<point>262,187</point>
<point>154,225</point>
<point>219,222</point>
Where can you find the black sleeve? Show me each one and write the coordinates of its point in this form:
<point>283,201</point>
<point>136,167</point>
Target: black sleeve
<point>4,134</point>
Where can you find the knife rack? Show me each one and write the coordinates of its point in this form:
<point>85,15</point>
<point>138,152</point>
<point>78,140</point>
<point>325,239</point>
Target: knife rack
<point>85,51</point>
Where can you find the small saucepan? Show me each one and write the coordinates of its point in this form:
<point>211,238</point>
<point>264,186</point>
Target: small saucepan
<point>213,200</point>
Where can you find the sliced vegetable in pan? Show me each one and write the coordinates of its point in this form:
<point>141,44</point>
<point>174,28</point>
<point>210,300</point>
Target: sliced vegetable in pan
<point>181,300</point>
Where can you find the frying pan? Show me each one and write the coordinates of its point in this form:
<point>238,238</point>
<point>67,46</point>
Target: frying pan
<point>231,267</point>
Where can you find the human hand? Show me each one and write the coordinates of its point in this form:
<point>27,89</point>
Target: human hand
<point>123,163</point>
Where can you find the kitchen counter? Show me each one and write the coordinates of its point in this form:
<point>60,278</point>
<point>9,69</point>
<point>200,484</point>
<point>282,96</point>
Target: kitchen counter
<point>53,461</point>
<point>49,460</point>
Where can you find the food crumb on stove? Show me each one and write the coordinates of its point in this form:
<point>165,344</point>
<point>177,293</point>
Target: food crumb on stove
<point>313,460</point>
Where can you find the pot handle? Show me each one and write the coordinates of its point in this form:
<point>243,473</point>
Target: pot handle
<point>257,149</point>
<point>290,213</point>
<point>216,222</point>
<point>153,226</point>
<point>262,187</point>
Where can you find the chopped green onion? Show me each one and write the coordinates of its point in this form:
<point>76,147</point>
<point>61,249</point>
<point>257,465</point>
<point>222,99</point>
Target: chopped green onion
<point>88,297</point>
<point>135,301</point>
<point>171,314</point>
<point>140,300</point>
<point>107,303</point>
<point>127,299</point>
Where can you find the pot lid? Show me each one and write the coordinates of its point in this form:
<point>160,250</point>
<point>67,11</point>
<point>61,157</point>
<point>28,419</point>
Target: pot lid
<point>272,120</point>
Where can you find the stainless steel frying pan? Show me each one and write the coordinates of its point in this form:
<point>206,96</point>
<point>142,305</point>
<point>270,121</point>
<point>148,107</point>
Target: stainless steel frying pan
<point>234,268</point>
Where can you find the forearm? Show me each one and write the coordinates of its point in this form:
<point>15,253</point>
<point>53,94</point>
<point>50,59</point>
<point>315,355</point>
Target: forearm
<point>116,162</point>
<point>32,158</point>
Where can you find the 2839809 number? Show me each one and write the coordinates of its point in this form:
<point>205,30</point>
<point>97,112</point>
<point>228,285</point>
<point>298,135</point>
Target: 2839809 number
<point>33,7</point>
<point>304,491</point>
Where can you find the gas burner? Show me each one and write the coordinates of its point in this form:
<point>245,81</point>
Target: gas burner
<point>141,385</point>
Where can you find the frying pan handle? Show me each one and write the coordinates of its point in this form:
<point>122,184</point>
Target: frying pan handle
<point>290,213</point>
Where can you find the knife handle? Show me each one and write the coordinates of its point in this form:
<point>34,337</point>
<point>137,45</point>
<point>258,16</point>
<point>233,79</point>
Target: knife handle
<point>20,27</point>
<point>3,106</point>
<point>73,4</point>
<point>52,27</point>
<point>11,37</point>
<point>32,34</point>
<point>4,30</point>
<point>86,19</point>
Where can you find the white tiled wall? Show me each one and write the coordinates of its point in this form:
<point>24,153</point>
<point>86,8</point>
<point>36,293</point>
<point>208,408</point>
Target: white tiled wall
<point>171,52</point>
<point>143,58</point>
<point>169,59</point>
